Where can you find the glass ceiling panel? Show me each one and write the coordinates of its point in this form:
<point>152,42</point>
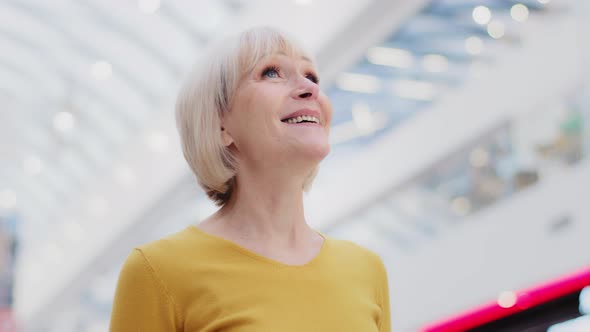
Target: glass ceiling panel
<point>430,54</point>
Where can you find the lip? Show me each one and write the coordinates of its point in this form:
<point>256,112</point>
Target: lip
<point>302,113</point>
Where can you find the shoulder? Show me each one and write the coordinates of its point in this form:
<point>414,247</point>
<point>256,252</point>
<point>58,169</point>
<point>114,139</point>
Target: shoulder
<point>357,254</point>
<point>171,244</point>
<point>352,248</point>
<point>166,256</point>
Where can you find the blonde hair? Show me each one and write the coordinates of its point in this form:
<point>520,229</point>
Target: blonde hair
<point>208,93</point>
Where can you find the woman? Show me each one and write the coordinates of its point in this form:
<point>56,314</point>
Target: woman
<point>254,126</point>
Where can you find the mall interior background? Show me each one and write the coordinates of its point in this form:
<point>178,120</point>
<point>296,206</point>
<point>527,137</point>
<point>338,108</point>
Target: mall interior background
<point>460,136</point>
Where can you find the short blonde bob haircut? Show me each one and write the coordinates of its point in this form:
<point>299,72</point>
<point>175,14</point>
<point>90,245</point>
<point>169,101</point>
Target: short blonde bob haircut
<point>208,93</point>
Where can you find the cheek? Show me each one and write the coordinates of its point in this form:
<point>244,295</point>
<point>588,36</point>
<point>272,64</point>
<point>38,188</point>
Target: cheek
<point>264,109</point>
<point>256,114</point>
<point>253,105</point>
<point>267,103</point>
<point>327,107</point>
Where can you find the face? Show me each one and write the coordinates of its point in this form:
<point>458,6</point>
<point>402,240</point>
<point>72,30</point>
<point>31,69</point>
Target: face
<point>279,114</point>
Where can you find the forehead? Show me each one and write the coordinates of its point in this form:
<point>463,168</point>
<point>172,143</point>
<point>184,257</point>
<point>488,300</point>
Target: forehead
<point>253,51</point>
<point>299,57</point>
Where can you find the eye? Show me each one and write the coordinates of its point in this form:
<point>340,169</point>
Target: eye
<point>312,77</point>
<point>271,72</point>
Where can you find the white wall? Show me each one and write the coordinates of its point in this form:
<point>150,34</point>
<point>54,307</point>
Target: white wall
<point>513,245</point>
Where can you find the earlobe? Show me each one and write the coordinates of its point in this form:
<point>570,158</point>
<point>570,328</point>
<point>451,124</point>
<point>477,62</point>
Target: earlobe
<point>226,137</point>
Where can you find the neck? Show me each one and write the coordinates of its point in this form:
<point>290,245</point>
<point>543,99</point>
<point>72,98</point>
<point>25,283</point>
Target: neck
<point>267,208</point>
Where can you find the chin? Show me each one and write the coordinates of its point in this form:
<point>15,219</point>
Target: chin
<point>318,152</point>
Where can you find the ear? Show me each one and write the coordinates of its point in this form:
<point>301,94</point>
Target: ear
<point>226,137</point>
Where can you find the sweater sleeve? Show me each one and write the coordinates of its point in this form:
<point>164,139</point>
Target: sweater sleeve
<point>141,302</point>
<point>385,321</point>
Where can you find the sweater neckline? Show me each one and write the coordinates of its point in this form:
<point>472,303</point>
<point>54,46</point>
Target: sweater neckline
<point>312,262</point>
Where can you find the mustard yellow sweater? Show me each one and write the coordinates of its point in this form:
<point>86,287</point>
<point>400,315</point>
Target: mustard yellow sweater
<point>193,281</point>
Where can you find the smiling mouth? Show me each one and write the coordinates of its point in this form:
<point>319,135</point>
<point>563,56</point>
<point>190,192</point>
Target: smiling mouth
<point>302,119</point>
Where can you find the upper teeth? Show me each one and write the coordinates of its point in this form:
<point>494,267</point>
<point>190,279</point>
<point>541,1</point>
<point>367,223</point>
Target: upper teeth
<point>303,118</point>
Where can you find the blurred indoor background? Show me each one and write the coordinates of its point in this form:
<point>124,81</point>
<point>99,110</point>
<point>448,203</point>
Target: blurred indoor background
<point>460,140</point>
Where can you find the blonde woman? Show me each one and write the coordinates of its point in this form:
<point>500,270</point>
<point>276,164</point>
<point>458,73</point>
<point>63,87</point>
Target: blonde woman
<point>254,126</point>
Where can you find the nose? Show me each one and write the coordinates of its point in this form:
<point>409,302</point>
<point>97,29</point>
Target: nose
<point>306,89</point>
